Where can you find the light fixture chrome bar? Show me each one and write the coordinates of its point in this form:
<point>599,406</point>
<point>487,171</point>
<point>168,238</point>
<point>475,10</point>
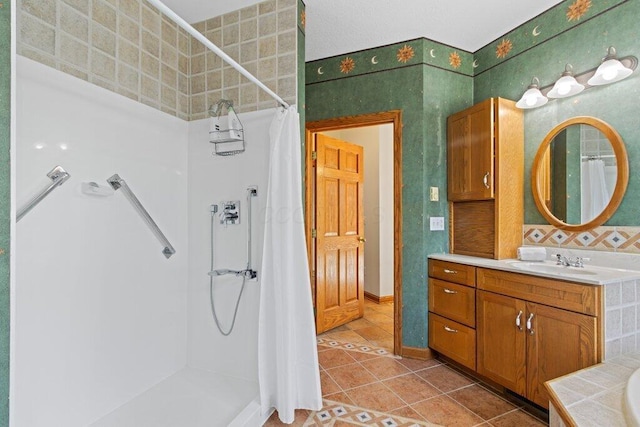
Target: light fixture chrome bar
<point>118,183</point>
<point>215,49</point>
<point>58,175</point>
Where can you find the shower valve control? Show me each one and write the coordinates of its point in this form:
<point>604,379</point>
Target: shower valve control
<point>230,212</point>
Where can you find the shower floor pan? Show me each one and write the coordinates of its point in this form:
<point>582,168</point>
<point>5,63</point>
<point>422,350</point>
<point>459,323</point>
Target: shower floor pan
<point>190,398</point>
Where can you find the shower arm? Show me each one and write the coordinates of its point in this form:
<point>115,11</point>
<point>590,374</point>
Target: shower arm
<point>118,183</point>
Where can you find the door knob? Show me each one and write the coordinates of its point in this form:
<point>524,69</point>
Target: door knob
<point>361,239</point>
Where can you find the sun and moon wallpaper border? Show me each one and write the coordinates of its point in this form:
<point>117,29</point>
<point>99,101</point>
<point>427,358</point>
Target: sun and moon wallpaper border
<point>556,20</point>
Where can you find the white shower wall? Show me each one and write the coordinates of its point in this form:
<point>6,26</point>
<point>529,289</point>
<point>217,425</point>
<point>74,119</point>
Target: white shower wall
<point>213,179</point>
<point>101,315</point>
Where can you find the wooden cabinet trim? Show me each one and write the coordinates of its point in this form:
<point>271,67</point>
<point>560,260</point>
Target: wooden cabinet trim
<point>584,299</point>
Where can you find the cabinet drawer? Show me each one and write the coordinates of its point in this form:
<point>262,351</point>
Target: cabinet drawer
<point>455,302</point>
<point>555,293</point>
<point>452,272</point>
<point>453,340</point>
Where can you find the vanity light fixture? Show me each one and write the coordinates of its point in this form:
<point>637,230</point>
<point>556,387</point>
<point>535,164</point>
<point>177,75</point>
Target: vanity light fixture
<point>566,86</point>
<point>532,98</point>
<point>611,70</point>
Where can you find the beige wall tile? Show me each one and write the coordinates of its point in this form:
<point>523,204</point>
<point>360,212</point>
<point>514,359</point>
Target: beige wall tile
<point>103,39</point>
<point>230,18</point>
<point>249,12</point>
<point>198,104</point>
<point>169,97</point>
<point>198,84</point>
<point>287,65</point>
<point>105,84</point>
<point>196,47</point>
<point>215,36</point>
<point>287,42</point>
<point>267,68</point>
<point>287,88</point>
<point>169,76</point>
<point>213,23</point>
<point>150,20</point>
<point>37,55</point>
<point>169,55</point>
<point>267,24</point>
<point>37,34</point>
<point>248,52</point>
<point>128,29</point>
<point>169,33</point>
<point>267,7</point>
<point>74,52</point>
<point>214,80</point>
<point>183,64</point>
<point>282,4</point>
<point>128,77</point>
<point>150,88</point>
<point>230,77</point>
<point>150,65</point>
<point>184,44</point>
<point>248,30</point>
<point>103,66</point>
<point>128,53</point>
<point>150,43</point>
<point>74,23</point>
<point>183,84</point>
<point>230,35</point>
<point>79,5</point>
<point>287,19</point>
<point>267,46</point>
<point>131,8</point>
<point>198,64</point>
<point>82,75</point>
<point>104,14</point>
<point>42,9</point>
<point>248,94</point>
<point>214,62</point>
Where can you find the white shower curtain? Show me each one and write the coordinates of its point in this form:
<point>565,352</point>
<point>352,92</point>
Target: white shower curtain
<point>287,350</point>
<point>595,195</point>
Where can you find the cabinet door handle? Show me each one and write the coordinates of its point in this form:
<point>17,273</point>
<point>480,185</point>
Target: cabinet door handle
<point>518,323</point>
<point>485,180</point>
<point>446,270</point>
<point>529,326</point>
<point>449,291</point>
<point>448,329</point>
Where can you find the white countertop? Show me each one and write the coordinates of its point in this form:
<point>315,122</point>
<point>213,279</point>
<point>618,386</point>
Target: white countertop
<point>597,275</point>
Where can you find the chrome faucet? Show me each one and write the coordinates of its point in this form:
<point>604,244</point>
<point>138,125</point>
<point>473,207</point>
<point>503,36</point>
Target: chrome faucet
<point>568,262</point>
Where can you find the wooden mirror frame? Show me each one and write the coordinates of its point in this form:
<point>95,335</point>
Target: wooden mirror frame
<point>621,181</point>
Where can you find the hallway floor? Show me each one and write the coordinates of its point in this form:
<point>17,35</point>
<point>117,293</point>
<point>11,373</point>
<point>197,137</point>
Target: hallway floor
<point>375,328</point>
<point>366,385</point>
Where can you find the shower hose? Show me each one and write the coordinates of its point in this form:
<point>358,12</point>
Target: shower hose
<point>242,273</point>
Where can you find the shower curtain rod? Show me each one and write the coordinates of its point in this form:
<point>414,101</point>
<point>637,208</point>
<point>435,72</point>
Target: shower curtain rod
<point>215,49</point>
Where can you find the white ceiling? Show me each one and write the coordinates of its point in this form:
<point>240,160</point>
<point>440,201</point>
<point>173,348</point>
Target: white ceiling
<point>335,27</point>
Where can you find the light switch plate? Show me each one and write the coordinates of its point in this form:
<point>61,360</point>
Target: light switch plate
<point>436,223</point>
<point>433,194</point>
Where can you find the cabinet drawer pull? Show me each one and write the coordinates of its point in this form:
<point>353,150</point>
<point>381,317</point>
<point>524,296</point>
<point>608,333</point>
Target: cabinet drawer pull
<point>446,270</point>
<point>449,291</point>
<point>518,324</point>
<point>448,329</point>
<point>485,180</point>
<point>529,326</point>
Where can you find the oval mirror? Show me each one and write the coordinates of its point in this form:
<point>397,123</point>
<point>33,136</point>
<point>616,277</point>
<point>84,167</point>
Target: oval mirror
<point>580,174</point>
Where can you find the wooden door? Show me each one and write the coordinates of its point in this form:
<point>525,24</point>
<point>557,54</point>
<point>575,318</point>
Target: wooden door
<point>501,342</point>
<point>470,152</point>
<point>340,233</point>
<point>558,343</point>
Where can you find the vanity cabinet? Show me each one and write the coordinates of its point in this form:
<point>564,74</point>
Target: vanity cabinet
<point>485,172</point>
<point>516,330</point>
<point>452,311</point>
<point>523,342</point>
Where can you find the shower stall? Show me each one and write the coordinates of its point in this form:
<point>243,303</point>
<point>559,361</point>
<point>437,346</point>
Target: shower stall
<point>113,324</point>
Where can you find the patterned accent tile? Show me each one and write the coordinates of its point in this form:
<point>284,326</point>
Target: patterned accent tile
<point>359,347</point>
<point>359,416</point>
<point>605,238</point>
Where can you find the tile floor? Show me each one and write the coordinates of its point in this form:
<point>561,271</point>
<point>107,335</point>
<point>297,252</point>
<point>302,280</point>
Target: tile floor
<point>366,385</point>
<point>375,328</point>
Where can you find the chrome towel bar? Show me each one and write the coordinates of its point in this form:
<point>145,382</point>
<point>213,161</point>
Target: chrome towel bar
<point>118,183</point>
<point>58,175</point>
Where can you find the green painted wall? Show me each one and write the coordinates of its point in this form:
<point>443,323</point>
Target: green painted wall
<point>426,94</point>
<point>582,45</point>
<point>5,203</point>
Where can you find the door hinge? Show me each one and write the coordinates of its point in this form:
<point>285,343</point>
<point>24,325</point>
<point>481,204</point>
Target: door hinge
<point>314,155</point>
<point>314,233</point>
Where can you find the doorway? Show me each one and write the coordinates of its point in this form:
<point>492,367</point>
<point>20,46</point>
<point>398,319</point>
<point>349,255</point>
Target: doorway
<point>382,211</point>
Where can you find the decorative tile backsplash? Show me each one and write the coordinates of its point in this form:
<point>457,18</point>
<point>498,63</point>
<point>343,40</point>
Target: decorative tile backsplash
<point>612,239</point>
<point>129,47</point>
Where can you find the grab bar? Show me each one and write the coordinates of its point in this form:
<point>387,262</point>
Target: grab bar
<point>116,182</point>
<point>58,175</point>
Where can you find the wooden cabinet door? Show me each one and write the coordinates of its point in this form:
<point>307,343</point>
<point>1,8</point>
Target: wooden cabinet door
<point>470,153</point>
<point>558,342</point>
<point>501,343</point>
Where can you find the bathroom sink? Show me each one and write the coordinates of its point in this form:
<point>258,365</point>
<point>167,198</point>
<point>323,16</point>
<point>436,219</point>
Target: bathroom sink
<point>561,270</point>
